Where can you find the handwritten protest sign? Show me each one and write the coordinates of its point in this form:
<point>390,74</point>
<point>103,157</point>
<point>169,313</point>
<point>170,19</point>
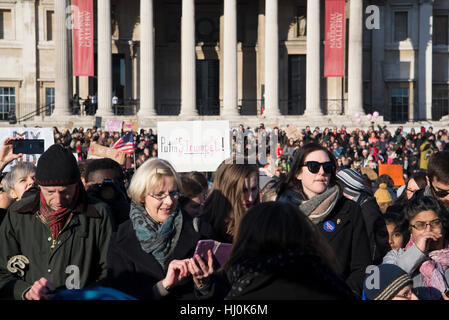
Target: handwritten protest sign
<point>395,171</point>
<point>194,145</point>
<point>130,125</point>
<point>27,133</point>
<point>112,125</point>
<point>98,151</point>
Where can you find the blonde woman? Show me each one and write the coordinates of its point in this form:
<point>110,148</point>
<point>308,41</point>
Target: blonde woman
<point>149,255</point>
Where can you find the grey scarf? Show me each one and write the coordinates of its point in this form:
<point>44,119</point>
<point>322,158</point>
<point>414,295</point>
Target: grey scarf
<point>317,208</point>
<point>159,240</point>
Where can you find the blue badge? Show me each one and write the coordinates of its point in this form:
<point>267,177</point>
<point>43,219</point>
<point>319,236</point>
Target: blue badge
<point>329,226</point>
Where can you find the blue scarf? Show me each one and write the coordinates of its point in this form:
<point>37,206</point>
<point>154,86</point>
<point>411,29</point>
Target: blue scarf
<point>159,240</point>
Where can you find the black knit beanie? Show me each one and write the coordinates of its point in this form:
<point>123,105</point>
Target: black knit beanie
<point>57,167</point>
<point>390,280</point>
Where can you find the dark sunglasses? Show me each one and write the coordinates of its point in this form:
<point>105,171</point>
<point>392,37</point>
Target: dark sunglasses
<point>314,166</point>
<point>439,193</point>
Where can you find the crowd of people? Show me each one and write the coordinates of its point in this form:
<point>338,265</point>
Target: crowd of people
<point>315,230</point>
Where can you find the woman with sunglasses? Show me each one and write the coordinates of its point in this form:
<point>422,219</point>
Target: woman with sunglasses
<point>149,255</point>
<point>311,184</point>
<point>426,256</point>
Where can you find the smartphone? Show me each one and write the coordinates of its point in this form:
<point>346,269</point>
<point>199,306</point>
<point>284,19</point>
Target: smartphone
<point>220,250</point>
<point>28,146</point>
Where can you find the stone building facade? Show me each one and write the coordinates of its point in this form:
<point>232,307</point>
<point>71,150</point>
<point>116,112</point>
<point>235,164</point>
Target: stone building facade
<point>215,59</point>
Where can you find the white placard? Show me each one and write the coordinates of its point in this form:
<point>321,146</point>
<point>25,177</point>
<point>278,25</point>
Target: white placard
<point>27,133</point>
<point>194,145</point>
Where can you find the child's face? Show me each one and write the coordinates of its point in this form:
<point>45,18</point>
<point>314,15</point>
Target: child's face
<point>395,238</point>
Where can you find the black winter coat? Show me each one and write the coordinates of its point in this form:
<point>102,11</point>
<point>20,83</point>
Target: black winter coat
<point>304,277</point>
<point>349,241</point>
<point>135,272</point>
<point>371,213</point>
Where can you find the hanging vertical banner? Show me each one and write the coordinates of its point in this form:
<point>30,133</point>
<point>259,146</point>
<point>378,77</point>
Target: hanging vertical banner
<point>83,37</point>
<point>334,44</point>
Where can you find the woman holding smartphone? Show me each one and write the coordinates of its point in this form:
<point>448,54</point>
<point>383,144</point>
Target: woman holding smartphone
<point>149,256</point>
<point>426,256</point>
<point>311,184</point>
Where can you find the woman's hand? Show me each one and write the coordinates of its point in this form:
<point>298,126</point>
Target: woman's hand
<point>200,271</point>
<point>177,270</point>
<point>6,152</point>
<point>445,297</point>
<point>421,240</point>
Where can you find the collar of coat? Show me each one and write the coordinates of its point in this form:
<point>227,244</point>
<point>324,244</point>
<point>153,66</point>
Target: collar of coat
<point>32,204</point>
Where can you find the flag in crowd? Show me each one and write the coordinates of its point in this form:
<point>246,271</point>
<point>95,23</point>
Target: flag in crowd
<point>125,143</point>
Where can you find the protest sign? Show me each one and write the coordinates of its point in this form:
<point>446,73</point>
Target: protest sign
<point>98,122</point>
<point>27,133</point>
<point>395,171</point>
<point>130,125</point>
<point>291,131</point>
<point>372,175</point>
<point>112,125</point>
<point>98,151</point>
<point>194,145</point>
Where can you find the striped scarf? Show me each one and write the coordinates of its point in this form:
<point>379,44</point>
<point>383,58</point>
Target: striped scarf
<point>432,270</point>
<point>158,240</point>
<point>56,218</point>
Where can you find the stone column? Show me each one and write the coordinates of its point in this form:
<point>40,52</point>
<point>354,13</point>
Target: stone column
<point>425,60</point>
<point>29,88</point>
<point>377,61</point>
<point>260,62</point>
<point>147,108</point>
<point>355,58</point>
<point>230,80</point>
<point>188,60</point>
<point>104,59</point>
<point>271,59</point>
<point>313,73</point>
<point>61,61</point>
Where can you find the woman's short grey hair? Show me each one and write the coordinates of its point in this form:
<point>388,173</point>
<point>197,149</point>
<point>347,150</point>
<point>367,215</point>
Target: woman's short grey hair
<point>22,169</point>
<point>148,178</point>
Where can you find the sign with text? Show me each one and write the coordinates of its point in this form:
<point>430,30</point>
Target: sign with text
<point>130,125</point>
<point>98,151</point>
<point>27,133</point>
<point>334,43</point>
<point>83,38</point>
<point>112,125</point>
<point>194,145</point>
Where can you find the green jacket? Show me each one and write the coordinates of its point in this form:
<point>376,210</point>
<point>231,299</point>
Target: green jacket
<point>77,260</point>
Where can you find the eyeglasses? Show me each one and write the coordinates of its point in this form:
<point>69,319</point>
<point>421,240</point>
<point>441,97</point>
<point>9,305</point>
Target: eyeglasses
<point>314,166</point>
<point>161,196</point>
<point>421,225</point>
<point>439,193</point>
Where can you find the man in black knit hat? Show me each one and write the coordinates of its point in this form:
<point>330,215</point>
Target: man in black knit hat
<point>57,239</point>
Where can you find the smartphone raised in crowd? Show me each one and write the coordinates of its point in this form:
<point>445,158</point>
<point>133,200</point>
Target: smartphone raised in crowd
<point>220,250</point>
<point>28,146</point>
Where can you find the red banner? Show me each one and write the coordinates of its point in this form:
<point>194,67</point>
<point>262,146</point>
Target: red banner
<point>83,37</point>
<point>334,44</point>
